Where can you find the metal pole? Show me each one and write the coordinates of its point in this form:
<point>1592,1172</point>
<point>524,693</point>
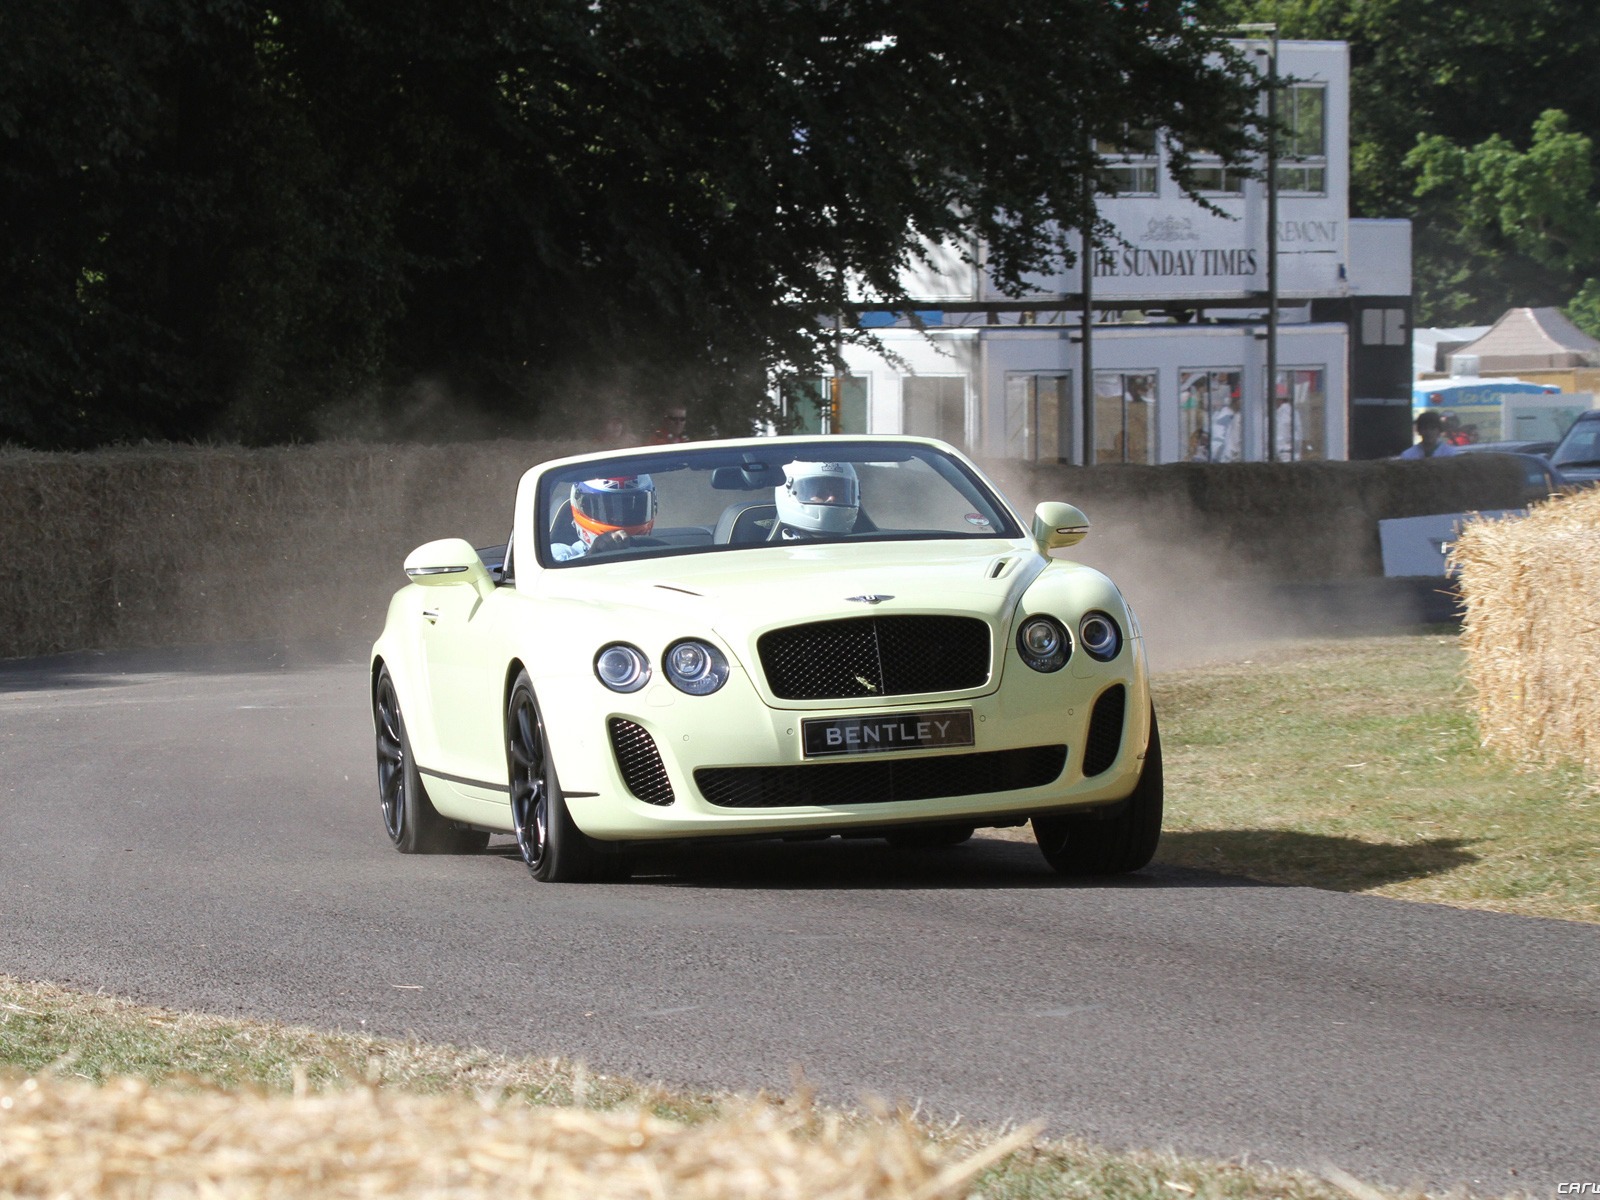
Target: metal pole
<point>1272,252</point>
<point>1086,263</point>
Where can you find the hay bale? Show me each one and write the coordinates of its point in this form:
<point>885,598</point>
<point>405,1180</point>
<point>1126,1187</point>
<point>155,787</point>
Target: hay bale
<point>1531,591</point>
<point>129,1139</point>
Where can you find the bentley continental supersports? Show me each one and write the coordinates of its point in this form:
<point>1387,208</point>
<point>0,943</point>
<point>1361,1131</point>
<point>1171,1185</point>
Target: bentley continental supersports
<point>776,637</point>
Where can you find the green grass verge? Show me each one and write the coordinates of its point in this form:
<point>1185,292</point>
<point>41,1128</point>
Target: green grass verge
<point>1355,766</point>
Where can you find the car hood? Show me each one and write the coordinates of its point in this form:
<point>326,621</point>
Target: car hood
<point>740,593</point>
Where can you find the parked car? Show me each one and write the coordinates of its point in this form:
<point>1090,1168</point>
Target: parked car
<point>776,637</point>
<point>1540,478</point>
<point>1577,455</point>
<point>1542,449</point>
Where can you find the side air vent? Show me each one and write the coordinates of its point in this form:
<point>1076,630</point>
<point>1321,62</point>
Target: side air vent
<point>640,762</point>
<point>1105,731</point>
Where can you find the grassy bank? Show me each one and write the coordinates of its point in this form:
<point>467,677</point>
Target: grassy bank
<point>251,1109</point>
<point>1355,765</point>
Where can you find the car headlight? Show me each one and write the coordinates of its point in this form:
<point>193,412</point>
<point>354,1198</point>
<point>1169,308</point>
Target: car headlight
<point>695,667</point>
<point>621,667</point>
<point>1044,644</point>
<point>1101,636</point>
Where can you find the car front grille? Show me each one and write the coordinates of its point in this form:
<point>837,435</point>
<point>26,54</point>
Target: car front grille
<point>640,761</point>
<point>880,780</point>
<point>1104,739</point>
<point>875,656</point>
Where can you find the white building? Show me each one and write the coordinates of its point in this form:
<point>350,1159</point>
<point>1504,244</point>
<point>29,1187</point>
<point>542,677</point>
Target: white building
<point>1180,338</point>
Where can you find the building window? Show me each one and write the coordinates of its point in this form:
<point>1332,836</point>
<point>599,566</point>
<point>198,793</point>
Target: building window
<point>831,404</point>
<point>1383,327</point>
<point>1209,404</point>
<point>1124,416</point>
<point>1303,140</point>
<point>935,407</point>
<point>1131,168</point>
<point>1039,426</point>
<point>1300,416</point>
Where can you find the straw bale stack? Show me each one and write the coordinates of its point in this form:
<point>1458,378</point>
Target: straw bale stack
<point>129,1139</point>
<point>1531,589</point>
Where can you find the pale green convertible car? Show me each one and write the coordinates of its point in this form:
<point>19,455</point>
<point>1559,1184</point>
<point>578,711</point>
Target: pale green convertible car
<point>775,637</point>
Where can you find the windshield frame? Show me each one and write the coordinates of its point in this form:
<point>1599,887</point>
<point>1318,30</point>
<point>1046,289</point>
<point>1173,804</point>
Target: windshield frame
<point>766,457</point>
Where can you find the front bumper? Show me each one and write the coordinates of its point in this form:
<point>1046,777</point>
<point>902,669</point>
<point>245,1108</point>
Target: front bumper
<point>730,764</point>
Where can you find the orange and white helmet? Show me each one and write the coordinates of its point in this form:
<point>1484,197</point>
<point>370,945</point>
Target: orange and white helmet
<point>625,502</point>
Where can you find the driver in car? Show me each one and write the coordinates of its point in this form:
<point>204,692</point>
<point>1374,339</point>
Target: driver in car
<point>608,513</point>
<point>816,500</point>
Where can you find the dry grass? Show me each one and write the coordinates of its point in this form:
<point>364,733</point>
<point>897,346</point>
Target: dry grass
<point>131,1139</point>
<point>1532,630</point>
<point>1355,765</point>
<point>144,1102</point>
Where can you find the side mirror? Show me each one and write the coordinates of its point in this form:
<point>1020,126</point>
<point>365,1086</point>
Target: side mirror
<point>1057,526</point>
<point>448,562</point>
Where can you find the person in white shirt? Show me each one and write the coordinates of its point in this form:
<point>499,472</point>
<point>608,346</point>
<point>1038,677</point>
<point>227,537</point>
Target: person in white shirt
<point>1430,429</point>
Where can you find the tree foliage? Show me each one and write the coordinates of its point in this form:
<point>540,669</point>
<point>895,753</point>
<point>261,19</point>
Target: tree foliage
<point>1479,77</point>
<point>228,218</point>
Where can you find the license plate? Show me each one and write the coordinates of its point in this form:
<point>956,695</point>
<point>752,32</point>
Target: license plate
<point>878,734</point>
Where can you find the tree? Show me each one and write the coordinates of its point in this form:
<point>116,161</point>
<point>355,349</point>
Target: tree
<point>1538,205</point>
<point>1463,71</point>
<point>222,217</point>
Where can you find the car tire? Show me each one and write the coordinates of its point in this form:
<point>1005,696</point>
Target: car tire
<point>409,818</point>
<point>929,837</point>
<point>1110,844</point>
<point>552,846</point>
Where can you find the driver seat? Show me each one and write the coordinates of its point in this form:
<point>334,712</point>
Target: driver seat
<point>740,524</point>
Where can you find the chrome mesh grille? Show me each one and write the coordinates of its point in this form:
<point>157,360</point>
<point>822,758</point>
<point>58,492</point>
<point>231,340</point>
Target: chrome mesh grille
<point>881,781</point>
<point>1104,739</point>
<point>640,762</point>
<point>875,656</point>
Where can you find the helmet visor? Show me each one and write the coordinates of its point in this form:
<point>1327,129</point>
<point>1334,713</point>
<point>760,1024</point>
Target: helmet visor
<point>827,489</point>
<point>623,509</point>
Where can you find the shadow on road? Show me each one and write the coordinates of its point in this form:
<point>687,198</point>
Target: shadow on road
<point>1286,856</point>
<point>985,862</point>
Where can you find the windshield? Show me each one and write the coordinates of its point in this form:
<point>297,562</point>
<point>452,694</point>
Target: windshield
<point>723,499</point>
<point>1581,446</point>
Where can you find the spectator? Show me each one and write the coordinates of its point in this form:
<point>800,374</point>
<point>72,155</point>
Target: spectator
<point>614,432</point>
<point>1430,429</point>
<point>671,428</point>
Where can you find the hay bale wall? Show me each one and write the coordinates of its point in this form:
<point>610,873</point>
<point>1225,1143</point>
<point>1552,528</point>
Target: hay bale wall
<point>168,545</point>
<point>1531,629</point>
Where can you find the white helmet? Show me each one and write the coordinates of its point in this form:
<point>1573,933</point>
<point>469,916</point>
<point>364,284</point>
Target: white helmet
<point>818,497</point>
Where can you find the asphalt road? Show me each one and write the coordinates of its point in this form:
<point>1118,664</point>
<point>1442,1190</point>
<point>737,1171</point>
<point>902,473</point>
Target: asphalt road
<point>206,835</point>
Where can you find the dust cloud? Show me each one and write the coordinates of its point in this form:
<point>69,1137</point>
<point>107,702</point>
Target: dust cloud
<point>1198,599</point>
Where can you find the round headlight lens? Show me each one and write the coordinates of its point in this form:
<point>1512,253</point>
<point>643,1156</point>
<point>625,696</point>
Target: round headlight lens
<point>1102,638</point>
<point>696,667</point>
<point>622,668</point>
<point>1044,644</point>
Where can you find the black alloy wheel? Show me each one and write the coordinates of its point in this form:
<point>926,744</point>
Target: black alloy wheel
<point>1115,842</point>
<point>394,764</point>
<point>409,818</point>
<point>553,847</point>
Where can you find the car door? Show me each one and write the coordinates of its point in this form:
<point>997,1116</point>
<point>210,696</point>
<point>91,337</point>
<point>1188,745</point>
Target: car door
<point>464,683</point>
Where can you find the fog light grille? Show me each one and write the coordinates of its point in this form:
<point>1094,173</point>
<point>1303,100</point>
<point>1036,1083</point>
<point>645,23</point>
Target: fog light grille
<point>640,762</point>
<point>1105,731</point>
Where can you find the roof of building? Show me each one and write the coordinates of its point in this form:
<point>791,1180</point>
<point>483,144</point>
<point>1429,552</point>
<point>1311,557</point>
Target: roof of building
<point>1531,339</point>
